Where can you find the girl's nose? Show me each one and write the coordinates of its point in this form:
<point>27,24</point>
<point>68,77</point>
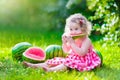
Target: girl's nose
<point>73,33</point>
<point>80,31</point>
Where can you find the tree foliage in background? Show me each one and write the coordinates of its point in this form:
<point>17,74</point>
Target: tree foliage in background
<point>107,18</point>
<point>63,9</point>
<point>104,14</point>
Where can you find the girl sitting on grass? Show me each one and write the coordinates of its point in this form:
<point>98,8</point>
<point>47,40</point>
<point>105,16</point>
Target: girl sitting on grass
<point>76,43</point>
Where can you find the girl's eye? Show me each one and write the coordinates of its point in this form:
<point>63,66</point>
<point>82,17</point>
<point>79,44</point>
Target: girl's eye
<point>70,29</point>
<point>76,28</point>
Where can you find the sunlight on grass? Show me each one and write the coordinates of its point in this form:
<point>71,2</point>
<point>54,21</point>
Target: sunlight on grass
<point>11,70</point>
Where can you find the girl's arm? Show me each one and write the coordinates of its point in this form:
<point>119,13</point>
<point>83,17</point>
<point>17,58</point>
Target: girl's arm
<point>65,48</point>
<point>84,47</point>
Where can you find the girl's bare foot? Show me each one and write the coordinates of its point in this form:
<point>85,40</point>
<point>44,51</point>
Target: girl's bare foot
<point>46,69</point>
<point>27,64</point>
<point>60,67</point>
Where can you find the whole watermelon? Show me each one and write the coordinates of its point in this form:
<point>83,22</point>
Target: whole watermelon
<point>54,51</point>
<point>18,50</point>
<point>100,55</point>
<point>34,55</point>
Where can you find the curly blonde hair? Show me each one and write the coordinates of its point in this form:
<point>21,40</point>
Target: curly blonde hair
<point>81,20</point>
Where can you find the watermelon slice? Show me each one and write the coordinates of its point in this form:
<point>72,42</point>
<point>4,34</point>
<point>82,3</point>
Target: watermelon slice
<point>77,36</point>
<point>34,55</point>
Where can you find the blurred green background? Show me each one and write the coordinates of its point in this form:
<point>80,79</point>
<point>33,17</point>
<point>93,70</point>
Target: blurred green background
<point>49,15</point>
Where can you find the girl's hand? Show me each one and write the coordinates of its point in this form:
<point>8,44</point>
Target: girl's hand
<point>64,38</point>
<point>70,40</point>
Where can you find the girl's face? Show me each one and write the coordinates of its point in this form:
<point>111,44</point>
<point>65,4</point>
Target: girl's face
<point>75,29</point>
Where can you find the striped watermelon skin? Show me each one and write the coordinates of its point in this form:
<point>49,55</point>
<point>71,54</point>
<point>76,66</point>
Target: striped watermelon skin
<point>100,55</point>
<point>18,50</point>
<point>54,51</point>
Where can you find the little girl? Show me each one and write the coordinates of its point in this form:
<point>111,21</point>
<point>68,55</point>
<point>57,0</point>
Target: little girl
<point>81,55</point>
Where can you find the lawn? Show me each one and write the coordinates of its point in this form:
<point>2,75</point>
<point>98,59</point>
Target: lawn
<point>11,70</point>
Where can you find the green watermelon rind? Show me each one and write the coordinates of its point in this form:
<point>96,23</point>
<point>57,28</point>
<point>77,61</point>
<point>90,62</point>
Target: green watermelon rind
<point>20,46</point>
<point>18,57</point>
<point>78,36</point>
<point>18,49</point>
<point>47,51</point>
<point>54,51</point>
<point>100,55</point>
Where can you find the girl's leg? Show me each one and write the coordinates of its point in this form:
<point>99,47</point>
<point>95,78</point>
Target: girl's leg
<point>27,64</point>
<point>60,67</point>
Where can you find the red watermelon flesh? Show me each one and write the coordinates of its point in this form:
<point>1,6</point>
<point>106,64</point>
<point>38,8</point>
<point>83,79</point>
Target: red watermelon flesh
<point>34,53</point>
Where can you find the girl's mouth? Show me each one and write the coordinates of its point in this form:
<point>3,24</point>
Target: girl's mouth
<point>76,34</point>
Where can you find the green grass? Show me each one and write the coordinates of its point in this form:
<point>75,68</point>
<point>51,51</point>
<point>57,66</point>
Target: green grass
<point>11,70</point>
